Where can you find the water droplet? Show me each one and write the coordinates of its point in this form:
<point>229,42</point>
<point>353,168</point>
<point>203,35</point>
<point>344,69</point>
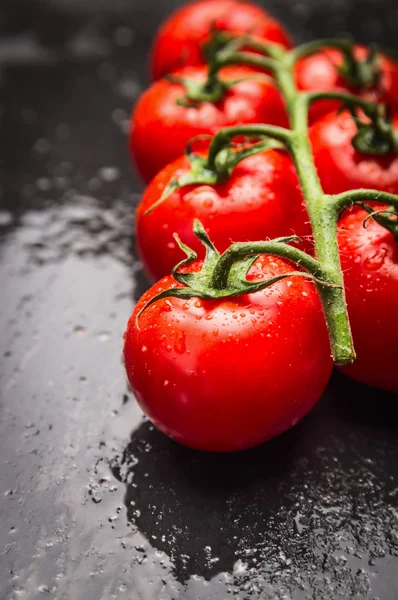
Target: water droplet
<point>123,36</point>
<point>43,184</point>
<point>104,336</point>
<point>168,307</point>
<point>41,146</point>
<point>109,174</point>
<point>179,342</point>
<point>6,218</point>
<point>376,260</point>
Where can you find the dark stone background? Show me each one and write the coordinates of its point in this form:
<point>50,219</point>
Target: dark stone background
<point>95,504</point>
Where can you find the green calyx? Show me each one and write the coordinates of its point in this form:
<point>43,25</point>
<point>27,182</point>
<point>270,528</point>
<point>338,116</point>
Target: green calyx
<point>219,52</point>
<point>199,174</point>
<point>212,90</point>
<point>376,136</point>
<point>215,168</point>
<point>217,41</point>
<point>360,73</point>
<point>225,275</point>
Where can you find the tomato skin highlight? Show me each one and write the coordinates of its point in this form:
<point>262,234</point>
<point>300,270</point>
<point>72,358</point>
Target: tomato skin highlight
<point>160,128</point>
<point>369,259</point>
<point>319,72</point>
<point>226,375</point>
<point>179,40</point>
<point>260,200</point>
<point>340,167</point>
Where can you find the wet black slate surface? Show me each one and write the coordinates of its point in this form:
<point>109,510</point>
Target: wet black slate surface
<point>95,504</point>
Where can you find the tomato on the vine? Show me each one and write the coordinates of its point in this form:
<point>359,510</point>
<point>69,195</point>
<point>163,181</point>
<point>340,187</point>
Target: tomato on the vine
<point>161,126</point>
<point>340,167</point>
<point>228,374</point>
<point>320,72</point>
<point>260,200</point>
<point>181,39</point>
<point>369,258</point>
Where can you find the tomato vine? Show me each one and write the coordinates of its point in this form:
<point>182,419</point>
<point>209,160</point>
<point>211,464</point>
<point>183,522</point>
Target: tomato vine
<point>375,136</point>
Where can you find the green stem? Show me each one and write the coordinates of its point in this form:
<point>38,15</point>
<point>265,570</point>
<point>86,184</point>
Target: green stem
<point>323,210</point>
<point>347,199</point>
<point>322,215</point>
<point>324,222</point>
<point>345,45</point>
<point>248,59</point>
<point>226,135</point>
<point>344,97</point>
<point>240,250</point>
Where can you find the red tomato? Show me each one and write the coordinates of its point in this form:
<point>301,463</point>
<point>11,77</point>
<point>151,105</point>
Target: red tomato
<point>180,39</point>
<point>340,167</point>
<point>369,260</point>
<point>260,200</point>
<point>161,128</point>
<point>225,375</point>
<point>319,72</point>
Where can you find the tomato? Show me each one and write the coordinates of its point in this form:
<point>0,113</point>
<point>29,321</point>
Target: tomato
<point>227,374</point>
<point>340,167</point>
<point>180,39</point>
<point>319,72</point>
<point>161,128</point>
<point>260,200</point>
<point>369,260</point>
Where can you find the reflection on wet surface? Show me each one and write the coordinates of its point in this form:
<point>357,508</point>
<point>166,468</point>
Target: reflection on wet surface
<point>96,503</point>
<point>313,510</point>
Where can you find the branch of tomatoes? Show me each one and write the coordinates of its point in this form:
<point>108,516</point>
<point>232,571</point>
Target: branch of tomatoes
<point>233,350</point>
<point>375,136</point>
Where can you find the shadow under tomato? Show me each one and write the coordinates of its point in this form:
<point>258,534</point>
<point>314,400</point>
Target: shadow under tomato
<point>364,405</point>
<point>206,511</point>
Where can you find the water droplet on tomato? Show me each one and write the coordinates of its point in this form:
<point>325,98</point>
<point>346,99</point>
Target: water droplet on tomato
<point>215,332</point>
<point>375,260</point>
<point>179,342</point>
